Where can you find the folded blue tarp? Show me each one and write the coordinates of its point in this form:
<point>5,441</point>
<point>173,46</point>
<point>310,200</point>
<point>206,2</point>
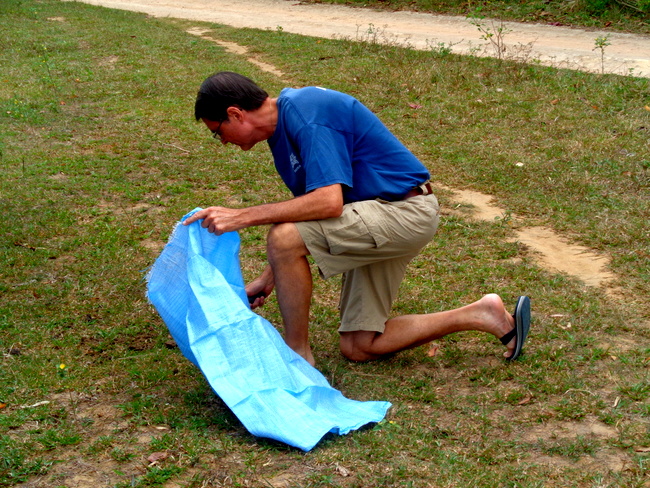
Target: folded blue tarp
<point>197,288</point>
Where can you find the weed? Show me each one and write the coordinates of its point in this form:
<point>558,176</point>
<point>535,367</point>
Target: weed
<point>637,392</point>
<point>120,455</point>
<point>154,477</point>
<point>493,31</point>
<point>573,449</point>
<point>16,465</point>
<point>440,48</point>
<point>600,43</point>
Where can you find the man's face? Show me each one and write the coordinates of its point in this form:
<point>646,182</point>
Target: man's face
<point>235,130</point>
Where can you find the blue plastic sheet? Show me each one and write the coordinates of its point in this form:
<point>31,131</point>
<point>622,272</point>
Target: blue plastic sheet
<point>197,287</point>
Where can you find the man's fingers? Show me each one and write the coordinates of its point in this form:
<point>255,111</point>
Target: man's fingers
<point>193,218</point>
<point>255,296</point>
<point>258,302</point>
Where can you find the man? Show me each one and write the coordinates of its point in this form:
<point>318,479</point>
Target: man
<point>362,208</point>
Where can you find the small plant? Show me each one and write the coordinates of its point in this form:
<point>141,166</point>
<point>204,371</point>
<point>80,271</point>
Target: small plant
<point>375,36</point>
<point>120,455</point>
<point>494,33</point>
<point>642,6</point>
<point>572,449</point>
<point>154,477</point>
<point>440,48</point>
<point>600,43</point>
<point>371,35</point>
<point>61,370</point>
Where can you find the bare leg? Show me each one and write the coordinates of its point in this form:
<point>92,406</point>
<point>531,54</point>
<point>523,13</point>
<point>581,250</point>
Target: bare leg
<point>287,256</point>
<point>486,315</point>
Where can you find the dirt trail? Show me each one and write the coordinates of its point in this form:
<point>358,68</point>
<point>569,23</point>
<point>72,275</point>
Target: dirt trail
<point>551,45</point>
<point>553,251</point>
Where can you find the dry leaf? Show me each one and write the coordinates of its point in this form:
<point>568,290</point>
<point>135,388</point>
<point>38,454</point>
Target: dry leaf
<point>342,471</point>
<point>2,405</point>
<point>157,456</point>
<point>525,400</point>
<point>415,105</point>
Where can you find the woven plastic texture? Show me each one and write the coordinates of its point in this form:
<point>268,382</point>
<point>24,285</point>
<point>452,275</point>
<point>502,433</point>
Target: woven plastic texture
<point>197,287</point>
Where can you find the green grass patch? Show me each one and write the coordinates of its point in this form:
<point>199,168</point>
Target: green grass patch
<point>100,156</point>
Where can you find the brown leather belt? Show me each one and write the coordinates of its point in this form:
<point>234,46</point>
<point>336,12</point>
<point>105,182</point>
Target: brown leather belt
<point>423,189</point>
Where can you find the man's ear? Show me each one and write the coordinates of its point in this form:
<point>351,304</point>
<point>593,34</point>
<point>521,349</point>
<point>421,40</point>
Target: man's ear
<point>235,113</point>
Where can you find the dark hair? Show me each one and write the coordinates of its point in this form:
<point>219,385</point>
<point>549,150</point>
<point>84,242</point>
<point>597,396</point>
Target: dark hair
<point>226,89</point>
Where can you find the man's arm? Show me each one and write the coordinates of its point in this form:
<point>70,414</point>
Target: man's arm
<point>322,203</point>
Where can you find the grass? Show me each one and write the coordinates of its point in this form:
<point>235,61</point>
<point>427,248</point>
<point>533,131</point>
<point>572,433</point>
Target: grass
<point>100,157</point>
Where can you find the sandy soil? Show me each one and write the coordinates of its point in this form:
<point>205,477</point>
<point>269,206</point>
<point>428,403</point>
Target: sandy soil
<point>556,46</point>
<point>553,252</point>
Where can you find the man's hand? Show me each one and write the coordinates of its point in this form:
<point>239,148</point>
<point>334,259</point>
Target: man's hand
<point>260,288</point>
<point>218,220</point>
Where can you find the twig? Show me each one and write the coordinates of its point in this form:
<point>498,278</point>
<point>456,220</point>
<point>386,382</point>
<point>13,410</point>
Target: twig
<point>581,391</point>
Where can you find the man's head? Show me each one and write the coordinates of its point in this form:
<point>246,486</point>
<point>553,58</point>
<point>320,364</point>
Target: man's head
<point>227,89</point>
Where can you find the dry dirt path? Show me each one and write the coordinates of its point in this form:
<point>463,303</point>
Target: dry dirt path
<point>556,46</point>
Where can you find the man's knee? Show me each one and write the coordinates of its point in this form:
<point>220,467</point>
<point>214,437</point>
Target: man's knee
<point>355,346</point>
<point>284,240</point>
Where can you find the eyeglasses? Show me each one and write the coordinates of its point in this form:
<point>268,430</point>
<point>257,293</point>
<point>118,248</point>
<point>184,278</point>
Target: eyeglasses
<point>216,133</point>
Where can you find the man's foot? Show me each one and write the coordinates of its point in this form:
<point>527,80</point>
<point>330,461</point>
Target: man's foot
<point>306,354</point>
<point>496,320</point>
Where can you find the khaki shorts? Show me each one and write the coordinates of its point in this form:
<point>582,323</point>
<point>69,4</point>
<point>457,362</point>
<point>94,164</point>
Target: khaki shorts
<point>370,244</point>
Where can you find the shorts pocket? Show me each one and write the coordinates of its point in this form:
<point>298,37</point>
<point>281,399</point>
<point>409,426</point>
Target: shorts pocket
<point>348,233</point>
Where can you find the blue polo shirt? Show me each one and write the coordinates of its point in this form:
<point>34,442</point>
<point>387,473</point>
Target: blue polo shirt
<point>324,137</point>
